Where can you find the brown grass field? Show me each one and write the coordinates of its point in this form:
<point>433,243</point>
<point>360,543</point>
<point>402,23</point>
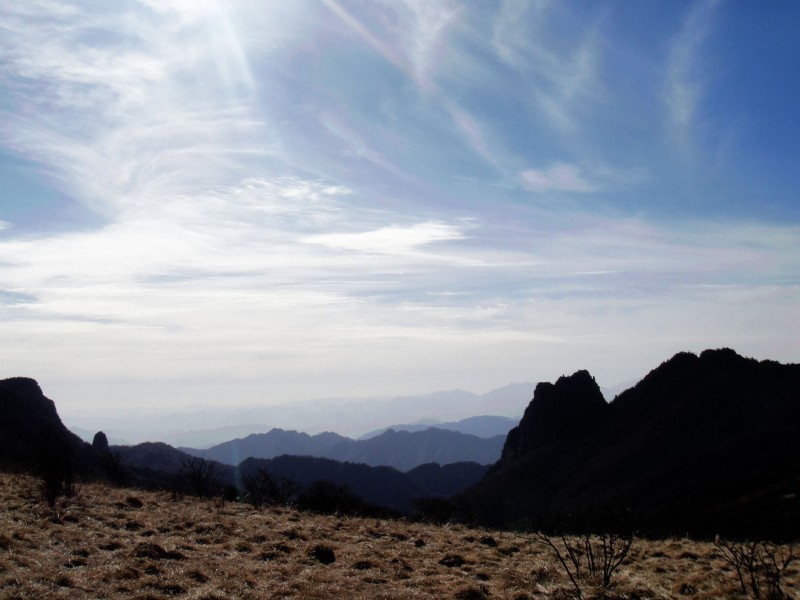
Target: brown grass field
<point>123,543</point>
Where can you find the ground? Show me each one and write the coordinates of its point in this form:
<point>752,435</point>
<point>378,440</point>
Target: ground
<point>112,542</point>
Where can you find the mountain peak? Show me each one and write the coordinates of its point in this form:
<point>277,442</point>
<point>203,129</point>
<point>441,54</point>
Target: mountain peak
<point>566,410</point>
<point>28,420</point>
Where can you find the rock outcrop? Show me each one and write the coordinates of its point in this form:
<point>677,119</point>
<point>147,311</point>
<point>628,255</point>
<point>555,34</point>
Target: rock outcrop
<point>567,411</point>
<point>100,442</point>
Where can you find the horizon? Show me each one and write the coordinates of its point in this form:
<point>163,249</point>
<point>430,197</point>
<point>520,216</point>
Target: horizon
<point>312,416</point>
<point>221,202</point>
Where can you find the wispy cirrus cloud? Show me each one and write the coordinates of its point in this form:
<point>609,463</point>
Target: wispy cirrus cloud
<point>111,107</point>
<point>408,34</point>
<point>563,76</point>
<point>686,80</point>
<point>560,177</point>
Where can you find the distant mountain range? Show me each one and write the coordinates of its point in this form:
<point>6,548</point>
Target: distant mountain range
<point>33,436</point>
<point>203,427</point>
<point>703,445</point>
<point>484,426</point>
<point>402,450</point>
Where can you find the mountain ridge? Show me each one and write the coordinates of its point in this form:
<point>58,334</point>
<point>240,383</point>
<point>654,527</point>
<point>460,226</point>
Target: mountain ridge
<point>399,449</point>
<point>483,426</point>
<point>703,444</point>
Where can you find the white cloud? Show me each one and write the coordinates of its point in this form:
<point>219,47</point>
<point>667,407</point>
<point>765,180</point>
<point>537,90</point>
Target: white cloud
<point>560,177</point>
<point>389,240</point>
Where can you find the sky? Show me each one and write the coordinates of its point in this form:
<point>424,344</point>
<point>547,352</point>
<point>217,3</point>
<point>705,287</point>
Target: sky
<point>210,202</point>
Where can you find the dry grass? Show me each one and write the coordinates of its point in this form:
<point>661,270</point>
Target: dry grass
<point>122,543</point>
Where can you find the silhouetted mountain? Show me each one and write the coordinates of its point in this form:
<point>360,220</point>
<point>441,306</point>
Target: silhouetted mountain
<point>568,411</point>
<point>155,456</point>
<point>484,426</point>
<point>402,450</point>
<point>702,445</point>
<point>31,430</point>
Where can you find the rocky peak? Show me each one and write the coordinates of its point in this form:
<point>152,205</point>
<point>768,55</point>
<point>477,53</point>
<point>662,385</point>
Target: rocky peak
<point>566,411</point>
<point>27,420</point>
<point>23,403</point>
<point>100,442</point>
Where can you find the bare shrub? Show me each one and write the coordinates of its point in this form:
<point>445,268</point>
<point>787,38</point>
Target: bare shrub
<point>201,475</point>
<point>58,458</point>
<point>589,555</point>
<point>262,489</point>
<point>759,566</point>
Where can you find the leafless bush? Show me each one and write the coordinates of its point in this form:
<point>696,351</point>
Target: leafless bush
<point>589,555</point>
<point>58,459</point>
<point>758,565</point>
<point>202,477</point>
<point>262,489</point>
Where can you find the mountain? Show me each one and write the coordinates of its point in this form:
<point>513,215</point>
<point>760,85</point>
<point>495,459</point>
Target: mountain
<point>484,426</point>
<point>275,442</point>
<point>399,449</point>
<point>154,456</point>
<point>405,450</point>
<point>158,464</point>
<point>31,430</point>
<point>702,445</point>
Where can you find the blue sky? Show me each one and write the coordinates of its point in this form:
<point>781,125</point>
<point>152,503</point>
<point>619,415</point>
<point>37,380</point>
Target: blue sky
<point>236,201</point>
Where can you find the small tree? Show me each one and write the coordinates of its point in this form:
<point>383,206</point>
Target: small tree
<point>263,489</point>
<point>202,476</point>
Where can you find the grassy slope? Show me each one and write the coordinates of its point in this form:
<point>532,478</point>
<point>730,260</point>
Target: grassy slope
<point>125,543</point>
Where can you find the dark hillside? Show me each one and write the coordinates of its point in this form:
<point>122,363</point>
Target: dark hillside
<point>449,479</point>
<point>702,445</point>
<point>382,486</point>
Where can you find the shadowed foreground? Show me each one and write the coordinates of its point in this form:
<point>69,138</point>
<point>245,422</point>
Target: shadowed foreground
<point>124,543</point>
